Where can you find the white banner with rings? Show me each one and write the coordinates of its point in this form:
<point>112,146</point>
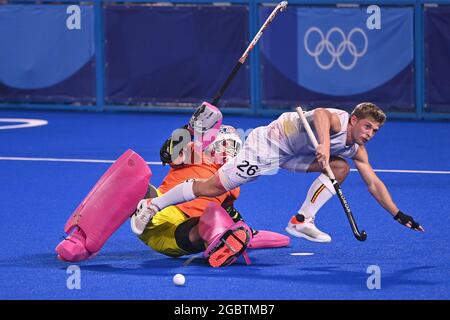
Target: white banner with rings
<point>335,51</point>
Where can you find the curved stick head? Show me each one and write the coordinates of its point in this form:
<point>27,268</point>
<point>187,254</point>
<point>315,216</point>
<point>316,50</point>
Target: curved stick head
<point>362,236</point>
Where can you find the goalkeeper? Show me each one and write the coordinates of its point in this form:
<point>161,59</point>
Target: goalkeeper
<point>209,225</point>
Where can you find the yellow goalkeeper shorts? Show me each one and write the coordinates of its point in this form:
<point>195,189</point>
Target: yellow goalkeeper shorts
<point>160,231</point>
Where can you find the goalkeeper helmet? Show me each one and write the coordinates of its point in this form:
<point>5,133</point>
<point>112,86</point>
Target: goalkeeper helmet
<point>226,145</point>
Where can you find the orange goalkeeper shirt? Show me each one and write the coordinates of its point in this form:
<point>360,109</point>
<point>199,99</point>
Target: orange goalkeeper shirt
<point>196,207</point>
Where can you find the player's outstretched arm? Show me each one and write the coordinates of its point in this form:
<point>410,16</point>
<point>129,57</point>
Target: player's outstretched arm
<point>379,191</point>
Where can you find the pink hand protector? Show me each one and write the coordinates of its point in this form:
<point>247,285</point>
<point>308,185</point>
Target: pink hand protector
<point>107,206</point>
<point>205,124</point>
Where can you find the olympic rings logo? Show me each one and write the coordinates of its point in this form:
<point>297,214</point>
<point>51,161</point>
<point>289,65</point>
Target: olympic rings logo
<point>335,53</point>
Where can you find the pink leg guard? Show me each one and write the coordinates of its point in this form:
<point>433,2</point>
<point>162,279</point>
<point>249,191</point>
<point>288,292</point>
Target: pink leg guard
<point>226,239</point>
<point>73,248</point>
<point>107,206</point>
<point>268,239</point>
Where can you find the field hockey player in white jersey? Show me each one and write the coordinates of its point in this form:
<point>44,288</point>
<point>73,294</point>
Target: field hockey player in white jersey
<point>284,144</point>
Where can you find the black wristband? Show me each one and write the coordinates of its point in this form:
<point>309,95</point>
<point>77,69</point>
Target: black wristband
<point>399,215</point>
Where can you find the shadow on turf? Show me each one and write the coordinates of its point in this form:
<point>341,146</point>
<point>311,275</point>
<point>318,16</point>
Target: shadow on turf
<point>335,275</point>
<point>137,263</point>
<point>330,275</point>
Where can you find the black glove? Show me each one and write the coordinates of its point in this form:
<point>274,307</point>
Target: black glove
<point>404,219</point>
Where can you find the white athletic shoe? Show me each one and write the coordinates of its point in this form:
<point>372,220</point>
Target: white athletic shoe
<point>307,230</point>
<point>144,213</point>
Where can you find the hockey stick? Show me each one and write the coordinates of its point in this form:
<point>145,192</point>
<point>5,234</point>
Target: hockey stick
<point>361,236</point>
<point>279,8</point>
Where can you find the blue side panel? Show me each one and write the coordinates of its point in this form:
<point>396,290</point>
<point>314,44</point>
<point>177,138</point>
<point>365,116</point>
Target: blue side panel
<point>437,62</point>
<point>44,59</point>
<point>177,54</point>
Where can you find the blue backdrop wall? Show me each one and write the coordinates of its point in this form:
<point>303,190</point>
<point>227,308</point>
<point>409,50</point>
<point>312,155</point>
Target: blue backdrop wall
<point>150,56</point>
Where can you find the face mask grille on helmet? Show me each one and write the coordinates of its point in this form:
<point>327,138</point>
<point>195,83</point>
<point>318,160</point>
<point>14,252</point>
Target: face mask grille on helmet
<point>228,148</point>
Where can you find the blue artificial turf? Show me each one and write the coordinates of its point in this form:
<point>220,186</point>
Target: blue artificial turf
<point>37,197</point>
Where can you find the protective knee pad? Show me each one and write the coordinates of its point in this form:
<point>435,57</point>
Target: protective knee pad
<point>226,240</point>
<point>263,239</point>
<point>213,222</point>
<point>107,206</point>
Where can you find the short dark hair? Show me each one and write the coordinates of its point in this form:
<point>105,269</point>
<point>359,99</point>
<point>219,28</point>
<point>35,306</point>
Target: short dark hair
<point>366,110</point>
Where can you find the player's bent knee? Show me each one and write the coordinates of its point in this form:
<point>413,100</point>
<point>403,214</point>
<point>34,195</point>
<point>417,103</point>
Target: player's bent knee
<point>219,188</point>
<point>208,188</point>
